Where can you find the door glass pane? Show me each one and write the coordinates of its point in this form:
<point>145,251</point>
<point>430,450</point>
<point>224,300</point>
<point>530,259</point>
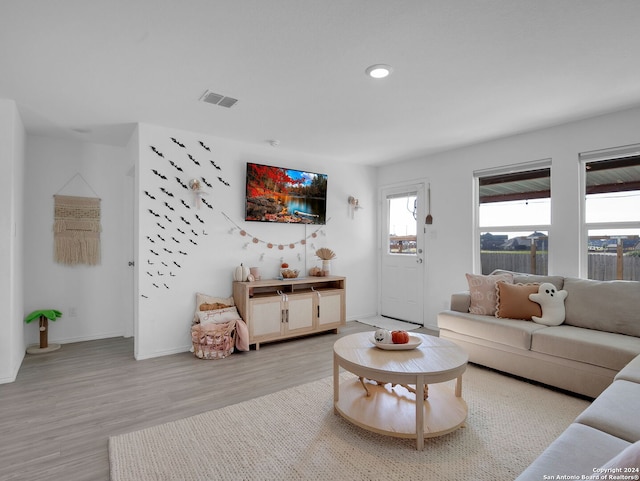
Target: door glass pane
<point>402,228</point>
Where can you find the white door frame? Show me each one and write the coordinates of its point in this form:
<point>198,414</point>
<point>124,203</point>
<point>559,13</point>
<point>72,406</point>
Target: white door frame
<point>419,185</point>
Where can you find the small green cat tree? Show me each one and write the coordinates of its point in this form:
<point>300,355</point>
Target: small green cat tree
<point>44,315</point>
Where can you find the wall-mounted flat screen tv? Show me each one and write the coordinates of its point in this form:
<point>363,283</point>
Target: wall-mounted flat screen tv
<point>277,194</point>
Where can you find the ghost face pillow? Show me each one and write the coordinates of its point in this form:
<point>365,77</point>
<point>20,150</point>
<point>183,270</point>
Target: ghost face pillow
<point>551,302</point>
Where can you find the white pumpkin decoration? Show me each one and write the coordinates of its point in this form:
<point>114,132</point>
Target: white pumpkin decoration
<point>382,336</point>
<point>241,274</point>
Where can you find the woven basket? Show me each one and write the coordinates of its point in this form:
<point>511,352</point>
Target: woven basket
<point>213,341</point>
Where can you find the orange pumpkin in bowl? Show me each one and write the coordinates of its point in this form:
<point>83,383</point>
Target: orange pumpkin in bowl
<point>399,337</point>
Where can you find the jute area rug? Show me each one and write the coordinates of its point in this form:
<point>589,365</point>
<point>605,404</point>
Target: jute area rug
<point>294,435</point>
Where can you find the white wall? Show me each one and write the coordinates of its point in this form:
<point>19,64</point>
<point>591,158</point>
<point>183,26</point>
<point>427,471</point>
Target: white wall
<point>164,312</point>
<point>12,138</point>
<point>93,291</point>
<point>450,239</point>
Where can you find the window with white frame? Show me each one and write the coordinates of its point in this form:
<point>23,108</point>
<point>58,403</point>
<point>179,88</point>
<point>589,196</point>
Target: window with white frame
<point>514,216</point>
<point>611,183</point>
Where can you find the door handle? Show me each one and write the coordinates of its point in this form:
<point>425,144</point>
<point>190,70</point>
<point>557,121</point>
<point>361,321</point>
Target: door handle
<point>419,260</point>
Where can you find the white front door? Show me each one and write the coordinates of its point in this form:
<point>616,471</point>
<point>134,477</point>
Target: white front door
<point>402,267</point>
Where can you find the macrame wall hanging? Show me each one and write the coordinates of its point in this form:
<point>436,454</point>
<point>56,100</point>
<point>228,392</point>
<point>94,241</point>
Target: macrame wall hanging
<point>76,229</point>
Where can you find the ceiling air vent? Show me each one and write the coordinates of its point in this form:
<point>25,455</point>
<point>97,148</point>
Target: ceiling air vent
<point>217,99</point>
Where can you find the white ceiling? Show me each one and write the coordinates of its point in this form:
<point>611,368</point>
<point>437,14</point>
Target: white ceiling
<point>465,71</point>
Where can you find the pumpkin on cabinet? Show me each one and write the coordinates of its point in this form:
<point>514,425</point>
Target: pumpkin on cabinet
<point>241,273</point>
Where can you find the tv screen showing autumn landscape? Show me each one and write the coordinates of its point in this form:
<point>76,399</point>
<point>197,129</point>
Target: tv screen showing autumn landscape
<point>276,194</point>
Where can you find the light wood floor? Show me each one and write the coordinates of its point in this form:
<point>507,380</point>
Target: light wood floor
<point>56,418</point>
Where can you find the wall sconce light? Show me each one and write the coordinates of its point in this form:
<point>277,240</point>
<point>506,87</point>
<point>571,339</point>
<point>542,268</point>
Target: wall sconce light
<point>354,204</point>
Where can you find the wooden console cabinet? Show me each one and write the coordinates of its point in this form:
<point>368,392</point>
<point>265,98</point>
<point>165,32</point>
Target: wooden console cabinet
<point>279,309</point>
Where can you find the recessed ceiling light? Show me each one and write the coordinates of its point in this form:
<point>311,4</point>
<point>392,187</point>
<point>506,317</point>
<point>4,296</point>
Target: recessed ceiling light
<point>379,71</point>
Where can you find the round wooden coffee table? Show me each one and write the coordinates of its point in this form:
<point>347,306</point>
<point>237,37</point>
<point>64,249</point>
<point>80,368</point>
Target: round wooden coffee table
<point>383,398</point>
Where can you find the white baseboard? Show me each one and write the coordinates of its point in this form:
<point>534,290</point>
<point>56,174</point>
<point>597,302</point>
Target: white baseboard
<point>151,355</point>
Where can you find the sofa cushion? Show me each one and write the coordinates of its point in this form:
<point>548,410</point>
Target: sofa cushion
<point>629,458</point>
<point>523,278</point>
<point>461,301</point>
<point>604,349</point>
<point>614,410</point>
<point>611,306</point>
<point>512,301</point>
<point>483,292</point>
<point>631,372</point>
<point>577,451</point>
<point>511,332</point>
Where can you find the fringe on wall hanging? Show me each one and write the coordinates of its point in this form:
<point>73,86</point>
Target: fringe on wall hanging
<point>76,230</point>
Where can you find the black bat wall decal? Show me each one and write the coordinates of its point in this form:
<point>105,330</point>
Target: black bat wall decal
<point>149,195</point>
<point>176,240</point>
<point>165,285</point>
<point>167,217</point>
<point>215,165</point>
<point>185,220</point>
<point>207,204</point>
<point>157,152</point>
<point>151,240</point>
<point>194,233</point>
<point>160,237</point>
<point>172,274</point>
<point>160,273</point>
<point>170,208</point>
<point>176,165</point>
<point>205,182</point>
<point>178,265</point>
<point>182,183</point>
<point>160,225</point>
<point>153,213</point>
<point>155,285</point>
<point>204,146</point>
<point>164,264</point>
<point>185,204</point>
<point>159,174</point>
<point>148,261</point>
<point>153,252</point>
<point>176,142</point>
<point>194,160</point>
<point>223,181</point>
<point>150,273</point>
<point>201,221</point>
<point>166,191</point>
<point>183,253</point>
<point>167,250</point>
<point>193,242</point>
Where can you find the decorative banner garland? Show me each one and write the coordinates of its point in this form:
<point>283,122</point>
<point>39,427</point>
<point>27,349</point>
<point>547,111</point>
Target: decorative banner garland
<point>271,245</point>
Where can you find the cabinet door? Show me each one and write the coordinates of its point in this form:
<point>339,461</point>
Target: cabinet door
<point>300,313</point>
<point>330,308</point>
<point>266,317</point>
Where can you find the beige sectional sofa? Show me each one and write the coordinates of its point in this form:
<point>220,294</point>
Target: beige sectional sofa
<point>600,335</point>
<point>603,441</point>
<point>595,352</point>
